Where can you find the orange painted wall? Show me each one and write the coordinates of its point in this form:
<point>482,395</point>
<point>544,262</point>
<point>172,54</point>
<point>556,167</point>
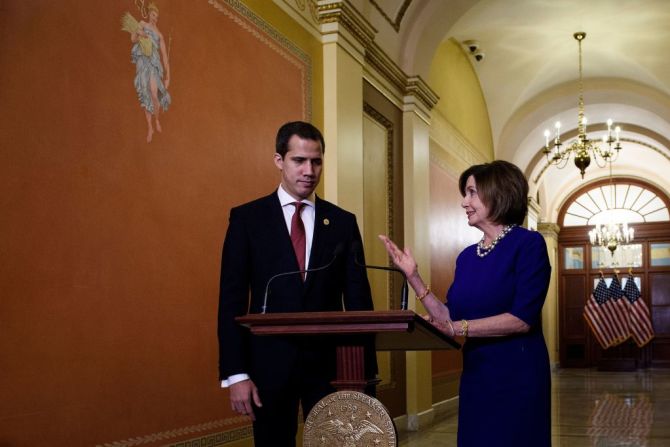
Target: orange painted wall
<point>110,246</point>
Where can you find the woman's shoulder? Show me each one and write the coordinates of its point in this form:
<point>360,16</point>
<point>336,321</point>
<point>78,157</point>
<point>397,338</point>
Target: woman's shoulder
<point>528,239</point>
<point>468,252</point>
<point>525,233</point>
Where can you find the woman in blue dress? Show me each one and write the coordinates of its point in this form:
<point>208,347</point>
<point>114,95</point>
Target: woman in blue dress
<point>495,302</point>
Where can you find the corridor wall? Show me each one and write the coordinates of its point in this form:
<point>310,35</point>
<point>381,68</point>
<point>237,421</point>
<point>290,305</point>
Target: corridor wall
<point>110,244</point>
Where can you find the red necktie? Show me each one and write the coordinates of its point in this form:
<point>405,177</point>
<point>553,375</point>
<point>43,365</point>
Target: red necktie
<point>298,236</point>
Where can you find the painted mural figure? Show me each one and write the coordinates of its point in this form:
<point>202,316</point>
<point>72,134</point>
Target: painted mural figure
<point>152,78</point>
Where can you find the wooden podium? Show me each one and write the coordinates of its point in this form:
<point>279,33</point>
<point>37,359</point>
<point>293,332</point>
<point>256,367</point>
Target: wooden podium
<point>393,330</point>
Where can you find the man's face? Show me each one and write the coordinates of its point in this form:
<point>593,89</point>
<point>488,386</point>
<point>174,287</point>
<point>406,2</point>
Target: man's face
<point>300,167</point>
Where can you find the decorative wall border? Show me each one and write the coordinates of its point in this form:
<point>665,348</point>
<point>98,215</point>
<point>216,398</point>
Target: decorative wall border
<point>216,439</point>
<point>392,283</point>
<point>219,438</point>
<point>270,36</point>
<point>378,117</point>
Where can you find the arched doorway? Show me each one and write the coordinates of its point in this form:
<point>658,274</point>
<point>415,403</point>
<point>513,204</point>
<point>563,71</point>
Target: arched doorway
<point>646,260</point>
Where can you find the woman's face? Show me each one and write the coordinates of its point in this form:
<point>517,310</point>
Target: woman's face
<point>153,17</point>
<point>477,212</point>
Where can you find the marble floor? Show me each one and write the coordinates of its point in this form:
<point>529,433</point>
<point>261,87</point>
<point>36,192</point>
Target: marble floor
<point>589,409</point>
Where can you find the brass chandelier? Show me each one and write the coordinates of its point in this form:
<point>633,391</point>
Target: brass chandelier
<point>611,235</point>
<point>583,148</point>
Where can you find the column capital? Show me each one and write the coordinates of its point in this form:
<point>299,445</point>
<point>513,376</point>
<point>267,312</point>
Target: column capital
<point>418,88</point>
<point>549,229</point>
<point>419,98</point>
<point>342,13</point>
<point>533,205</point>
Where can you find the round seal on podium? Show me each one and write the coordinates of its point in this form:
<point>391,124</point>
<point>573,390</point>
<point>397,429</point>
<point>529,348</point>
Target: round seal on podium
<point>349,419</point>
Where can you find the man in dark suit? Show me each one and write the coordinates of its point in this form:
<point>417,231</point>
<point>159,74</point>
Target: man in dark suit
<point>269,376</point>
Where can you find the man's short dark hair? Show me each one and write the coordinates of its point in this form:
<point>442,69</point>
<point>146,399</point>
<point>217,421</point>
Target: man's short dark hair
<point>502,187</point>
<point>304,130</point>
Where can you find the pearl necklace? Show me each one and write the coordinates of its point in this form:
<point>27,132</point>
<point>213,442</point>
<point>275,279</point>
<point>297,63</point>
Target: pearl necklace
<point>483,250</point>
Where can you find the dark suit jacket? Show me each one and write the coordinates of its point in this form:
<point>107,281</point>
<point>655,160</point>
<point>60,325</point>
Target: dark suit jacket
<point>258,246</point>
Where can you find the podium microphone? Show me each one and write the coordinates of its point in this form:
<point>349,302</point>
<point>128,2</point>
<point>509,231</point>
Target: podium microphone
<point>404,292</point>
<point>338,251</point>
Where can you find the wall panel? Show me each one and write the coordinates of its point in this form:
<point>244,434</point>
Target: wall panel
<point>111,245</point>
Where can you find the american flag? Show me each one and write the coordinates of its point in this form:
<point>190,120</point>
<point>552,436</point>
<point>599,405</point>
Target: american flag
<point>600,316</point>
<point>620,308</point>
<point>639,316</point>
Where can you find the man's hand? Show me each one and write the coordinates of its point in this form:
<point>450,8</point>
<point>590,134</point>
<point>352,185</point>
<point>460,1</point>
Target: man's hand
<point>241,394</point>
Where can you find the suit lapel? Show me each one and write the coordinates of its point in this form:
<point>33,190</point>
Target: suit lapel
<point>275,223</point>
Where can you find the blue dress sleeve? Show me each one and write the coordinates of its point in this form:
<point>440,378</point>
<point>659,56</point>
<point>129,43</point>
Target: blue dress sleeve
<point>533,272</point>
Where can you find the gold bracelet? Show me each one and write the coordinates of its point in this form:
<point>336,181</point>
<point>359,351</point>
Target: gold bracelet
<point>464,328</point>
<point>424,294</point>
<point>453,331</point>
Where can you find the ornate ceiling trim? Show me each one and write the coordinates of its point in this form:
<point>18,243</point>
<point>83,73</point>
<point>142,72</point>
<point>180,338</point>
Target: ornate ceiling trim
<point>344,14</point>
<point>395,23</point>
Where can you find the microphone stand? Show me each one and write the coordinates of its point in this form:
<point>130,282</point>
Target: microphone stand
<point>404,292</point>
<point>336,253</point>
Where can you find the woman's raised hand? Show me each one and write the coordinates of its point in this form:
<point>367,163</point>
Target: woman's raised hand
<point>402,259</point>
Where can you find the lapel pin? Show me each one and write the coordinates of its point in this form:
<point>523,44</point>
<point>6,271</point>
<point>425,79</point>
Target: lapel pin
<point>326,222</point>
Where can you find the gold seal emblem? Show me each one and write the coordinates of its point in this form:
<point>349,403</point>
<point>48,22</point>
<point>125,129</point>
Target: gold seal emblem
<point>349,419</point>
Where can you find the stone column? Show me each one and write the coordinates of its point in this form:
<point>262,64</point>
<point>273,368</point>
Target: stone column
<point>416,187</point>
<point>550,310</point>
<point>345,34</point>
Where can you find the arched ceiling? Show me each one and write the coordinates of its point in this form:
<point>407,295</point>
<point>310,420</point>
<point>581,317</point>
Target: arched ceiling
<point>530,70</point>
